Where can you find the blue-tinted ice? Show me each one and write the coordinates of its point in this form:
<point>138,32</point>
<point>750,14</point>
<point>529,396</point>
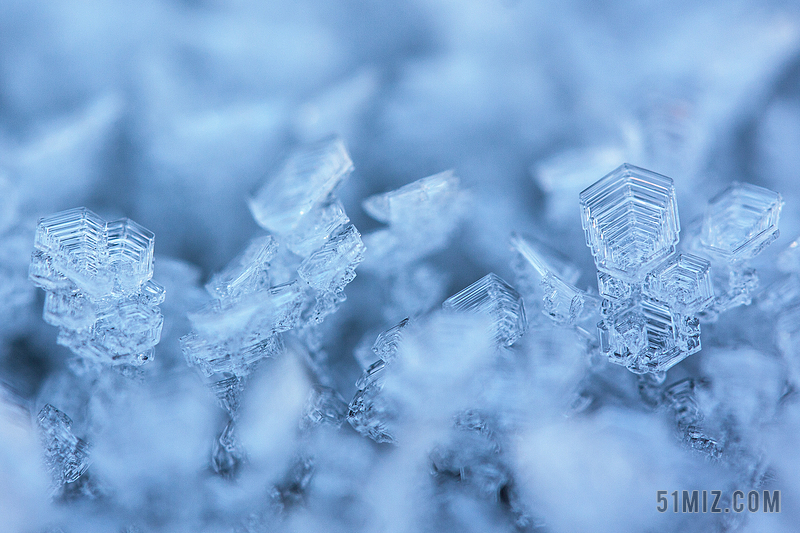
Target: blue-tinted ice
<point>98,279</point>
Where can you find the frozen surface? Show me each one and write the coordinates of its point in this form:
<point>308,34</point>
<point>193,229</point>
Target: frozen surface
<point>310,181</point>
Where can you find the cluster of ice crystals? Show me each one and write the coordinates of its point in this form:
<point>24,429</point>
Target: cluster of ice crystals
<point>288,280</point>
<point>497,299</point>
<point>316,249</point>
<point>100,294</point>
<point>66,455</point>
<point>370,413</point>
<point>681,400</point>
<point>652,295</point>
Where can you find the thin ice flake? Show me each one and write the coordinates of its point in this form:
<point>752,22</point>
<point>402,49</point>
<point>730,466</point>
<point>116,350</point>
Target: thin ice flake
<point>496,298</point>
<point>303,182</point>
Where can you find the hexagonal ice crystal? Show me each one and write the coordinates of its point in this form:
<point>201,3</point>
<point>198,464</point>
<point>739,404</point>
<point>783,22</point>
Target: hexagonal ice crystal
<point>683,281</point>
<point>492,295</point>
<point>631,221</point>
<point>740,221</point>
<point>648,336</point>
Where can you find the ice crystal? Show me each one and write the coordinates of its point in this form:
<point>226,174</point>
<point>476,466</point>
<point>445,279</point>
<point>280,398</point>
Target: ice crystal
<point>740,221</point>
<point>737,225</point>
<point>544,275</point>
<point>303,182</point>
<point>67,456</point>
<point>683,281</point>
<point>631,221</point>
<point>650,294</point>
<point>100,293</point>
<point>333,266</point>
<point>422,216</point>
<point>496,298</point>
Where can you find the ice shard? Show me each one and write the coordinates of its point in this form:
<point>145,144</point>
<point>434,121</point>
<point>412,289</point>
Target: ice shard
<point>421,215</point>
<point>545,275</point>
<point>494,297</point>
<point>67,456</point>
<point>303,182</point>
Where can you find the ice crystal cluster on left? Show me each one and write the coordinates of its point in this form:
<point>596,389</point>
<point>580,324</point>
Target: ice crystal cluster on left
<point>98,280</point>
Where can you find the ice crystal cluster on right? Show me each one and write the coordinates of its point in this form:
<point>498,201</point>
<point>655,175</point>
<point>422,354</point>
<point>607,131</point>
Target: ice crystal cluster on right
<point>654,296</point>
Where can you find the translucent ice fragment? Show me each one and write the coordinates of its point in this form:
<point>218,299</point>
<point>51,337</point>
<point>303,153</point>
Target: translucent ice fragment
<point>324,406</point>
<point>648,337</point>
<point>66,455</point>
<point>371,413</point>
<point>683,281</point>
<point>422,216</point>
<point>614,288</point>
<point>247,273</point>
<point>316,228</point>
<point>333,266</point>
<point>273,310</point>
<point>493,296</point>
<point>387,343</point>
<point>227,454</point>
<point>130,250</point>
<point>631,221</point>
<point>236,355</point>
<point>228,392</point>
<point>69,309</point>
<point>76,243</point>
<point>424,198</point>
<point>303,182</point>
<point>680,398</point>
<point>740,222</point>
<point>535,257</point>
<point>564,303</point>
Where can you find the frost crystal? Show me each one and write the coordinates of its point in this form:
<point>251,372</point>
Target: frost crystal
<point>496,298</point>
<point>738,224</point>
<point>67,456</point>
<point>740,221</point>
<point>422,216</point>
<point>650,295</point>
<point>370,412</point>
<point>100,293</point>
<point>303,182</point>
<point>653,296</point>
<point>683,281</point>
<point>333,266</point>
<point>631,221</point>
<point>543,274</point>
